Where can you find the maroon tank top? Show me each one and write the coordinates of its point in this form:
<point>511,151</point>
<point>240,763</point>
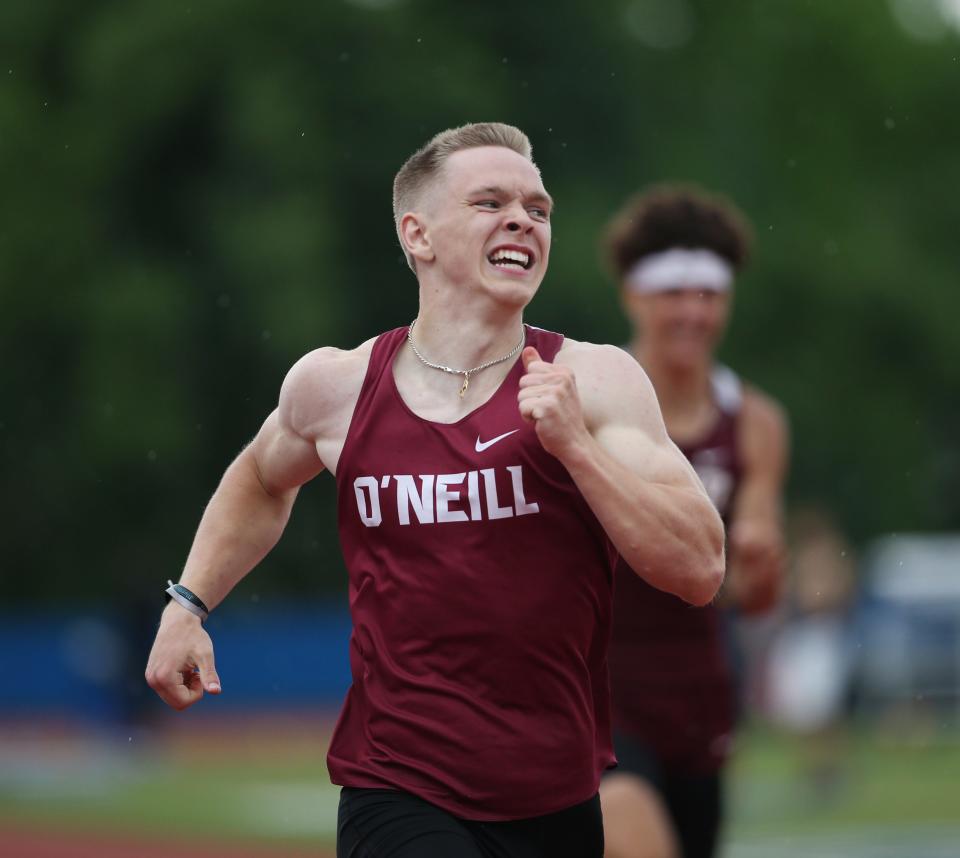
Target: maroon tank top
<point>480,593</point>
<point>670,670</point>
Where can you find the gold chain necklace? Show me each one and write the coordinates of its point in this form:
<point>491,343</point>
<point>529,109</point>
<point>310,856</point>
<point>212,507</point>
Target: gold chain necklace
<point>466,373</point>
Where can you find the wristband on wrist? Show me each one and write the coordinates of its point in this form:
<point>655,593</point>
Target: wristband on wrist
<point>191,601</point>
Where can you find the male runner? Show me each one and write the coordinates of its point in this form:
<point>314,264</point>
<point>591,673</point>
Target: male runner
<point>487,472</point>
<point>675,251</point>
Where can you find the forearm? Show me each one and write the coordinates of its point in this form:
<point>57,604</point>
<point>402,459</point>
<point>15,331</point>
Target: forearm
<point>240,525</point>
<point>670,535</point>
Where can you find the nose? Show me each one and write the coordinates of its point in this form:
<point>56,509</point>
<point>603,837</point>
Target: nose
<point>518,219</point>
<point>696,307</point>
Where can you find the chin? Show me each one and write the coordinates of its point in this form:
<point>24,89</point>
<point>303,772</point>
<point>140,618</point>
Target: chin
<point>687,358</point>
<point>513,290</point>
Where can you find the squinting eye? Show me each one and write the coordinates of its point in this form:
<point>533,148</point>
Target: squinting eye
<point>490,203</point>
<point>541,214</point>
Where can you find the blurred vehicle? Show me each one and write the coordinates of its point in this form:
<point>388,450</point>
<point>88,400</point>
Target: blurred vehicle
<point>907,650</point>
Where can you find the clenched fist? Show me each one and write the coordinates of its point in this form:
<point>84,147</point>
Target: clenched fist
<point>548,398</point>
<point>757,559</point>
<point>180,667</point>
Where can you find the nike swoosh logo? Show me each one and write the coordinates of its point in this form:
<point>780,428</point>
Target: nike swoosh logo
<point>482,445</point>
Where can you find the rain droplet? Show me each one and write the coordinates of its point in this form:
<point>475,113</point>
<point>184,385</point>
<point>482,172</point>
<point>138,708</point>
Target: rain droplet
<point>223,301</point>
<point>889,124</point>
<point>152,455</point>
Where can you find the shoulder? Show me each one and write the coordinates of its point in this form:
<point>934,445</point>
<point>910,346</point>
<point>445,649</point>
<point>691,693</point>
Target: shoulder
<point>611,383</point>
<point>323,382</point>
<point>760,412</point>
<point>598,363</point>
<point>764,430</point>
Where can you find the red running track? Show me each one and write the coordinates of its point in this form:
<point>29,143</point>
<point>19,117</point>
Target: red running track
<point>35,844</point>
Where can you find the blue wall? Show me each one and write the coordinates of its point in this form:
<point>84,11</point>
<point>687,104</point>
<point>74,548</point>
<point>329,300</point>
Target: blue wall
<point>90,665</point>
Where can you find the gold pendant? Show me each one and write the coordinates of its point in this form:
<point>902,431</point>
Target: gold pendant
<point>466,384</point>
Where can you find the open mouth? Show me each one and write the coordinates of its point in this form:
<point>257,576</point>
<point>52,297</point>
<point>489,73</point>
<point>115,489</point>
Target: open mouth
<point>511,260</point>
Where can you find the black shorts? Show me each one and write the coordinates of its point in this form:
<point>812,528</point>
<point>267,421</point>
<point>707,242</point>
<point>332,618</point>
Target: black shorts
<point>383,823</point>
<point>693,800</point>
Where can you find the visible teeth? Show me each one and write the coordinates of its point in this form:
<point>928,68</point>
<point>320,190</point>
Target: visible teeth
<point>511,256</point>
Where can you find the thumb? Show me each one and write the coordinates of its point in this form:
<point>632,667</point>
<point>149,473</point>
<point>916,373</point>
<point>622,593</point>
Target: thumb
<point>529,355</point>
<point>208,674</point>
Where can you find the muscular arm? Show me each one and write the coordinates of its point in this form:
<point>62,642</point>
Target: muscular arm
<point>756,523</point>
<point>250,508</point>
<point>596,411</point>
<point>246,517</point>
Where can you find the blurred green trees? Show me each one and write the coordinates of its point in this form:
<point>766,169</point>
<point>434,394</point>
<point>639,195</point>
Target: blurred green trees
<point>194,195</point>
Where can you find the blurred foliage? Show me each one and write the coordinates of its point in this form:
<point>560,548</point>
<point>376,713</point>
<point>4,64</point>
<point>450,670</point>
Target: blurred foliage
<point>195,194</point>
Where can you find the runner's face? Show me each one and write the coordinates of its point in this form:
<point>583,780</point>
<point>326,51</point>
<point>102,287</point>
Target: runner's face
<point>682,326</point>
<point>489,222</point>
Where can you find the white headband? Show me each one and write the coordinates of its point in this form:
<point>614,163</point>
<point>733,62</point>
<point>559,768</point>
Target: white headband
<point>680,268</point>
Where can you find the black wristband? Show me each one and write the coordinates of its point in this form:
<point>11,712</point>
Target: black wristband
<point>189,600</point>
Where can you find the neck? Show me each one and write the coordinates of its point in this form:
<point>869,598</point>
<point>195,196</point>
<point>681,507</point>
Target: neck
<point>466,345</point>
<point>680,389</point>
<point>465,334</point>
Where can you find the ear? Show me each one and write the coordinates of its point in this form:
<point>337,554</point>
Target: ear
<point>413,234</point>
<point>632,304</point>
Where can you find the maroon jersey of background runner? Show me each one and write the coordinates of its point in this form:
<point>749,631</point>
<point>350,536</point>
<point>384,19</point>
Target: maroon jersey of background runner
<point>480,593</point>
<point>670,672</point>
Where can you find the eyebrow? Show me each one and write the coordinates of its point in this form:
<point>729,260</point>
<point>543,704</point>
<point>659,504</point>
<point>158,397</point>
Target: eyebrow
<point>496,190</point>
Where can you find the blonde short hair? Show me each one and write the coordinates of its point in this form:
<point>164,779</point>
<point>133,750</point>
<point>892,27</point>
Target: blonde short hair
<point>422,167</point>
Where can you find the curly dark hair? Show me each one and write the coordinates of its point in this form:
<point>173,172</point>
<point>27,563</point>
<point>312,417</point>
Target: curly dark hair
<point>667,216</point>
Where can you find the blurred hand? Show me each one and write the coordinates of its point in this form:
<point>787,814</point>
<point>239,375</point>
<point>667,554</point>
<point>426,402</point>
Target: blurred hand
<point>548,398</point>
<point>757,560</point>
<point>180,667</point>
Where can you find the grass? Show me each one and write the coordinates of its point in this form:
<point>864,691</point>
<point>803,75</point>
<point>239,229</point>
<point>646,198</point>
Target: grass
<point>860,778</point>
<point>241,783</point>
<point>269,784</point>
<point>856,793</point>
